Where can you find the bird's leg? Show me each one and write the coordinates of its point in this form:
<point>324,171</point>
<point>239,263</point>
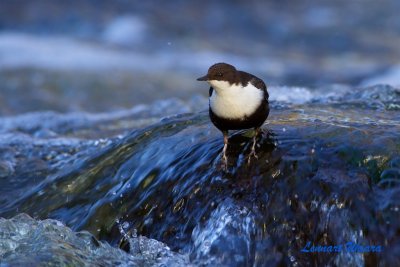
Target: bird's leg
<point>224,157</point>
<point>253,147</point>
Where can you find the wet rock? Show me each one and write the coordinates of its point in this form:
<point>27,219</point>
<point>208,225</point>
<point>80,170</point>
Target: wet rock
<point>326,174</point>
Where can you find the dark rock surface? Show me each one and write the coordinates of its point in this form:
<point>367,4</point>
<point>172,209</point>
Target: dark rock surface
<point>327,173</point>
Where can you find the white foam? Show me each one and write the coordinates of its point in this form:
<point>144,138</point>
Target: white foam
<point>61,53</point>
<point>391,77</point>
<point>19,50</point>
<point>295,95</point>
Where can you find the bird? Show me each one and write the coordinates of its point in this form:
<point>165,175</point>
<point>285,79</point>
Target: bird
<point>237,100</point>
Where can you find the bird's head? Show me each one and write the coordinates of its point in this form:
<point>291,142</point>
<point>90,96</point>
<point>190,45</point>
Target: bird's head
<point>220,76</point>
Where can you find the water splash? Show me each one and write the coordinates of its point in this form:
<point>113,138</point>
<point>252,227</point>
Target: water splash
<point>329,177</point>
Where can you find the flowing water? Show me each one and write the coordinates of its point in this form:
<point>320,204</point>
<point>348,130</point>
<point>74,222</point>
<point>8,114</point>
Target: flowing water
<point>327,173</point>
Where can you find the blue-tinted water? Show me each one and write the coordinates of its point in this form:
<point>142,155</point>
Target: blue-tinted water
<point>327,172</point>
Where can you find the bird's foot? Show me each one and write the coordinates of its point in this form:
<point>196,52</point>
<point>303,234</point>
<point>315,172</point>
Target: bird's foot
<point>253,147</point>
<point>224,163</point>
<point>252,154</point>
<point>224,157</point>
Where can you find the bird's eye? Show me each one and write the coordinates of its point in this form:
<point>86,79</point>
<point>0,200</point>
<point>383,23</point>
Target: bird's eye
<point>219,74</point>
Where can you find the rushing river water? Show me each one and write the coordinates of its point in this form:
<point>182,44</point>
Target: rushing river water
<point>327,173</point>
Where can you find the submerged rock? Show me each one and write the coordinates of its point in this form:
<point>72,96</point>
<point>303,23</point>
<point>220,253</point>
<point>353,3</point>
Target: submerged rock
<point>327,174</point>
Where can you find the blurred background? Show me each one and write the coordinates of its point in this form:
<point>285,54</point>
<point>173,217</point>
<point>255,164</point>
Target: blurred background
<point>101,56</point>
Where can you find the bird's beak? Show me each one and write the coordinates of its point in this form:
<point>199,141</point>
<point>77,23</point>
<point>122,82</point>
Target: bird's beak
<point>204,78</point>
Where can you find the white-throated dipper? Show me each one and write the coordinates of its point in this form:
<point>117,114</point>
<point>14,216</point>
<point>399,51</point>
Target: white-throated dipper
<point>237,100</point>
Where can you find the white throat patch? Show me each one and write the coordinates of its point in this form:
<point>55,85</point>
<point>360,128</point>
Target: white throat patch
<point>234,101</point>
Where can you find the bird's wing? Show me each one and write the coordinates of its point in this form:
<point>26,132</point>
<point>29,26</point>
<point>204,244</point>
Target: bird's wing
<point>246,77</point>
<point>210,91</point>
<point>257,82</point>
